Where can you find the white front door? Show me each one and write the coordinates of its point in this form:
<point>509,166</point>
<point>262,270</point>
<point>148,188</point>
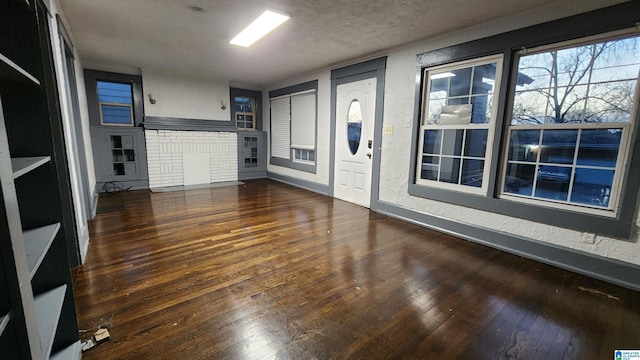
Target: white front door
<point>355,117</point>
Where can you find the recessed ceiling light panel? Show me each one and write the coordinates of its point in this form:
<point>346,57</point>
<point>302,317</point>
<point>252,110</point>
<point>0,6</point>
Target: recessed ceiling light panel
<point>260,27</point>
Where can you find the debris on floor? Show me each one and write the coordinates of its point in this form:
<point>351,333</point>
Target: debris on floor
<point>98,337</point>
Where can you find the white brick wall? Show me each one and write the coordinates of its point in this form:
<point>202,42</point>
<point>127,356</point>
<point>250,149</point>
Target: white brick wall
<point>166,150</point>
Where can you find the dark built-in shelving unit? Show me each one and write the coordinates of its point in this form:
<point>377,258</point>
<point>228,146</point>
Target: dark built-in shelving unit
<point>37,311</point>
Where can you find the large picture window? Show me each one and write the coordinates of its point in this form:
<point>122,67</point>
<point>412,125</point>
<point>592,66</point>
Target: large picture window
<point>293,126</point>
<point>458,119</point>
<point>570,123</point>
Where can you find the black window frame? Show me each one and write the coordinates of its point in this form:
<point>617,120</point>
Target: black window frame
<point>91,78</point>
<point>617,17</point>
<point>256,96</point>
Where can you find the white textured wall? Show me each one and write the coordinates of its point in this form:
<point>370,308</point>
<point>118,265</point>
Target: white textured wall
<point>183,97</point>
<point>323,149</point>
<point>396,152</point>
<point>167,150</point>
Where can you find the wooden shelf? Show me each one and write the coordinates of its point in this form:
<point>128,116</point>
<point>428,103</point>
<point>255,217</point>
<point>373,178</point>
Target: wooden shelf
<point>10,72</point>
<point>22,165</point>
<point>48,309</point>
<point>71,352</point>
<point>37,243</point>
<point>4,321</point>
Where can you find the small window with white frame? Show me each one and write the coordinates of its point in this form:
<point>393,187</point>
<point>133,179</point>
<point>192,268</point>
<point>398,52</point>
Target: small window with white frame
<point>457,124</point>
<point>570,123</point>
<point>115,103</point>
<point>245,112</point>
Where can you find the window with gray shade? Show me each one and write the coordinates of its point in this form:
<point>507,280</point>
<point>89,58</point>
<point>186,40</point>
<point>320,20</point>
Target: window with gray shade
<point>293,123</point>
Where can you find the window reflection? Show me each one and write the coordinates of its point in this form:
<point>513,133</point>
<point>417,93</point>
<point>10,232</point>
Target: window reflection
<point>244,109</point>
<point>592,187</point>
<point>455,156</point>
<point>449,169</point>
<point>599,147</point>
<point>524,145</point>
<point>452,142</point>
<point>558,146</point>
<point>472,172</point>
<point>519,179</point>
<point>589,83</point>
<point>456,122</point>
<point>571,166</point>
<point>553,182</point>
<point>432,141</point>
<point>430,167</point>
<point>243,104</point>
<point>476,143</point>
<point>456,88</point>
<point>579,99</point>
<point>354,126</point>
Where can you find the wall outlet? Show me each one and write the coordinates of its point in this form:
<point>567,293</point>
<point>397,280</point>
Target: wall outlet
<point>388,130</point>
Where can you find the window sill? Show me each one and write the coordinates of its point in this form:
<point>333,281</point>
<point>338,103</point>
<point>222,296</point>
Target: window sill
<point>584,222</point>
<point>292,164</point>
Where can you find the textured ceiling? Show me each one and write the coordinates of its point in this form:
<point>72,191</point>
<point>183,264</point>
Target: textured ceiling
<point>168,35</point>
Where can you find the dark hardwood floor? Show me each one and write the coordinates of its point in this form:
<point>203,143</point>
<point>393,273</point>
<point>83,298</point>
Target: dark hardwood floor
<point>268,271</point>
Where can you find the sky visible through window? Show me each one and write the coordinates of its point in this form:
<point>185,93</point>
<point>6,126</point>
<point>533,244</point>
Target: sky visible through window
<point>590,83</point>
<point>571,108</point>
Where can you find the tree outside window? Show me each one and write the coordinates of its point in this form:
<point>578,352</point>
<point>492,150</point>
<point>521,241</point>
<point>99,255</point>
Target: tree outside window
<point>570,122</point>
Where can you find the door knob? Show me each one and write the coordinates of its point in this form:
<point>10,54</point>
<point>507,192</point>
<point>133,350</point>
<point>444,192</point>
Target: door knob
<point>369,155</point>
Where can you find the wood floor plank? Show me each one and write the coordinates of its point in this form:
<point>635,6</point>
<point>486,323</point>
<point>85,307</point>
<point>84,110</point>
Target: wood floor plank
<point>268,271</point>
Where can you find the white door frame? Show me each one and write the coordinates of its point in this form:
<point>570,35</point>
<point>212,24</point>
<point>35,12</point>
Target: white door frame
<point>76,156</point>
<point>366,70</point>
